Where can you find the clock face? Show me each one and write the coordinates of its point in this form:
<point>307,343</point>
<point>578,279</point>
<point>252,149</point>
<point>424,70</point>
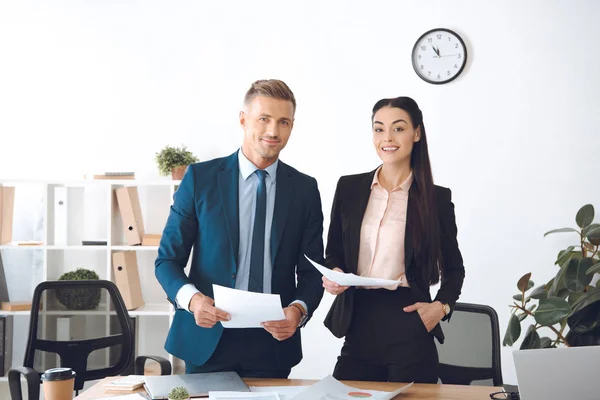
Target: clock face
<point>439,56</point>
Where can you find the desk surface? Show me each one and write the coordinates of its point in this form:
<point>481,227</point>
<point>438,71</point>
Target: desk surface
<point>417,391</point>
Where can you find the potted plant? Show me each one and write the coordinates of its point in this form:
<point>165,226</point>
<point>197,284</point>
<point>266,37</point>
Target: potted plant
<point>79,298</point>
<point>569,304</point>
<point>174,161</point>
<point>179,393</point>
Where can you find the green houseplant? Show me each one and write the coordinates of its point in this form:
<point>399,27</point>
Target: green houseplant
<point>568,300</point>
<point>179,393</point>
<point>174,161</point>
<point>79,298</point>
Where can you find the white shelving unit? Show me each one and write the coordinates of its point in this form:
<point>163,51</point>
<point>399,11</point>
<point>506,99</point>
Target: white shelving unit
<point>93,214</point>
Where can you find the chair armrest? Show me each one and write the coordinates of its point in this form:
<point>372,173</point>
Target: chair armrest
<point>165,365</point>
<point>33,383</point>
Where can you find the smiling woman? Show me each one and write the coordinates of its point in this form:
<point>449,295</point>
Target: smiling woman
<point>393,223</point>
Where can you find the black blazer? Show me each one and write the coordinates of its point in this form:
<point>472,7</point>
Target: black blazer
<point>349,205</point>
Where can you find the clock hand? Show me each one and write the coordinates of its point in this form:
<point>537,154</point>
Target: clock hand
<point>435,50</point>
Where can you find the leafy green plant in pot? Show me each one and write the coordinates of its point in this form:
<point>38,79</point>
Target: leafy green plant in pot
<point>174,161</point>
<point>178,393</point>
<point>569,300</point>
<point>82,298</point>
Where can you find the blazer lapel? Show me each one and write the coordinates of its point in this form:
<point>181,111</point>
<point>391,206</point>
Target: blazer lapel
<point>356,214</point>
<point>284,194</point>
<point>228,180</point>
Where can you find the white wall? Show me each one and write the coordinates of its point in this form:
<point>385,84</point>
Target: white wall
<point>95,86</point>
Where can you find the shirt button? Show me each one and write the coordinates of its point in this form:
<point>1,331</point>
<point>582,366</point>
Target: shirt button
<point>232,276</point>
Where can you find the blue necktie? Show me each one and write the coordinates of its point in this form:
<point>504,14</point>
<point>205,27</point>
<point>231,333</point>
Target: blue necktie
<point>257,255</point>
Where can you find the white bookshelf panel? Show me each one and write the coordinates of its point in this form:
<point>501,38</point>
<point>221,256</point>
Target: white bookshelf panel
<point>28,213</point>
<point>22,270</point>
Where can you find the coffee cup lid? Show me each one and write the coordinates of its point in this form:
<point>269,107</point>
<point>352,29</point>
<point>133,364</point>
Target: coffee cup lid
<point>58,374</point>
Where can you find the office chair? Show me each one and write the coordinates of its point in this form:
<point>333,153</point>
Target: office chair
<point>471,350</point>
<point>94,336</point>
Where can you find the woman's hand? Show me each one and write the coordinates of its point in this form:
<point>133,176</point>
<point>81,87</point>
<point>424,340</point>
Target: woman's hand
<point>333,287</point>
<point>430,313</point>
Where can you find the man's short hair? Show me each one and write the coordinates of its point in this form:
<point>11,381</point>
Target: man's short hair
<point>273,88</point>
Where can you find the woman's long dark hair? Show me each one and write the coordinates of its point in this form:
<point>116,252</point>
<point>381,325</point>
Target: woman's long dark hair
<point>424,222</point>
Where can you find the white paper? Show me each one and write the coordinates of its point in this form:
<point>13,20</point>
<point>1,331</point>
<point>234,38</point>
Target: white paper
<point>330,388</point>
<point>350,279</point>
<point>247,309</point>
<point>135,396</point>
<point>243,396</point>
<point>284,392</point>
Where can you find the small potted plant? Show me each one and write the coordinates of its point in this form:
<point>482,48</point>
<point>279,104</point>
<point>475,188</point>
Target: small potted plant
<point>179,393</point>
<point>174,161</point>
<point>83,298</point>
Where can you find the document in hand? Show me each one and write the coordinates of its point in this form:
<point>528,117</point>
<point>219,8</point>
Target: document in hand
<point>350,279</point>
<point>330,388</point>
<point>247,309</point>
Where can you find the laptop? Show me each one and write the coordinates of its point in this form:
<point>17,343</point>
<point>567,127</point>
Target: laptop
<point>198,385</point>
<point>558,374</point>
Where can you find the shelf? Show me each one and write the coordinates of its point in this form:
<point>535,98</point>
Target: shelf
<point>15,246</point>
<point>153,309</point>
<point>136,248</point>
<point>145,310</point>
<point>76,247</point>
<point>94,182</point>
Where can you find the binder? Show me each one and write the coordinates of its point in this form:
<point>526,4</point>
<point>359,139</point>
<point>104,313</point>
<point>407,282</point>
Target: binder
<point>127,278</point>
<point>131,214</point>
<point>60,216</point>
<point>6,343</point>
<point>7,204</point>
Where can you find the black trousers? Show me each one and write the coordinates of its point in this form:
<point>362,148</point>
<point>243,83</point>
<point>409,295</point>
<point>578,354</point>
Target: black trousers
<point>252,353</point>
<point>384,343</point>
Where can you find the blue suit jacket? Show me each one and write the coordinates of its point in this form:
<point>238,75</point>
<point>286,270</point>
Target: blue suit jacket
<point>205,216</point>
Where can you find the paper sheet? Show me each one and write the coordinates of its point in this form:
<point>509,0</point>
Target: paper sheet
<point>330,388</point>
<point>284,392</point>
<point>242,396</point>
<point>247,309</point>
<point>350,279</point>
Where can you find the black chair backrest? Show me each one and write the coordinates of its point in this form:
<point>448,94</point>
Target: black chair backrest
<point>83,325</point>
<point>471,350</point>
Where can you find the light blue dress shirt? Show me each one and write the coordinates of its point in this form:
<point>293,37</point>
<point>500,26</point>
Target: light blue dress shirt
<point>248,183</point>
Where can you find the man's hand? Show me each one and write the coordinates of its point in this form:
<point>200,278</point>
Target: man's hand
<point>430,313</point>
<point>333,287</point>
<point>205,313</point>
<point>285,328</point>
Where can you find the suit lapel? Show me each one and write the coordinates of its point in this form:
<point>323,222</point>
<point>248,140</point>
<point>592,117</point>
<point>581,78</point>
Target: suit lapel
<point>356,214</point>
<point>284,194</point>
<point>228,180</point>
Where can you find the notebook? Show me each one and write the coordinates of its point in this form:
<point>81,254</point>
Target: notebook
<point>198,385</point>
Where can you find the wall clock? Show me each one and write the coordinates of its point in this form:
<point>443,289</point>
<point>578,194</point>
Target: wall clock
<point>439,56</point>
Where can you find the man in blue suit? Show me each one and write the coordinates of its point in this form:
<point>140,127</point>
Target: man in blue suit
<point>250,219</point>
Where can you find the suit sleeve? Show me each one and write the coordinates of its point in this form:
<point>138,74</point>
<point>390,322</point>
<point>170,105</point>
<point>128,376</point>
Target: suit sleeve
<point>310,287</point>
<point>177,239</point>
<point>334,254</point>
<point>454,271</point>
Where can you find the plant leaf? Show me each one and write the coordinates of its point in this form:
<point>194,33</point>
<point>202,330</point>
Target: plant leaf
<point>564,255</point>
<point>539,292</point>
<point>532,339</point>
<point>593,234</point>
<point>523,283</point>
<point>560,231</point>
<point>573,297</point>
<point>518,297</point>
<point>558,282</point>
<point>551,310</point>
<point>545,342</point>
<point>522,316</point>
<point>589,297</point>
<point>585,216</point>
<point>513,331</point>
<point>575,276</point>
<point>593,269</point>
